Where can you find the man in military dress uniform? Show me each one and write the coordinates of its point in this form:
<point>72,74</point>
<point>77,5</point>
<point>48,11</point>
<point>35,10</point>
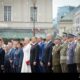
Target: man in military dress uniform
<point>77,54</point>
<point>56,56</point>
<point>70,54</point>
<point>63,51</point>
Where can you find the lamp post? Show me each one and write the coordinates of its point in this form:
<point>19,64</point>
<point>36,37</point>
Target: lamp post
<point>34,21</point>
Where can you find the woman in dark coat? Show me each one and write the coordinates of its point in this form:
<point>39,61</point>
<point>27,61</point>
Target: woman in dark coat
<point>18,58</point>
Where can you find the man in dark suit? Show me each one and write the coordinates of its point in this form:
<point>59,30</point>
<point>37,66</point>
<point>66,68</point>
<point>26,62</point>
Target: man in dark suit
<point>7,58</point>
<point>2,56</point>
<point>34,54</point>
<point>11,55</point>
<point>47,58</point>
<point>41,53</point>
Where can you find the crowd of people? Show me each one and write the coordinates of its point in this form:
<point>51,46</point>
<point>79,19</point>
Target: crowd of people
<point>36,55</point>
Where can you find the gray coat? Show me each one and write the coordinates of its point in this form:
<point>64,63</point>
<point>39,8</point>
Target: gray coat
<point>77,53</point>
<point>71,52</point>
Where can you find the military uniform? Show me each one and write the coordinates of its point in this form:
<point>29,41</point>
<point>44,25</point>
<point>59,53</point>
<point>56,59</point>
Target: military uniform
<point>63,57</point>
<point>71,55</point>
<point>56,58</point>
<point>77,55</point>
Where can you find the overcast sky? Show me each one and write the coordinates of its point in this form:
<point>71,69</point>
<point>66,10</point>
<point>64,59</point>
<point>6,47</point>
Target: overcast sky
<point>59,3</point>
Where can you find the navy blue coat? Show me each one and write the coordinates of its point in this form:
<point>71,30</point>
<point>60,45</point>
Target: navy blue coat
<point>41,50</point>
<point>11,54</point>
<point>48,53</point>
<point>70,53</point>
<point>7,64</point>
<point>2,56</point>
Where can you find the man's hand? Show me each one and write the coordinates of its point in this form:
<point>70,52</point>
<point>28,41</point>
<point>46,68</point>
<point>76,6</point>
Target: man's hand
<point>10,61</point>
<point>49,63</point>
<point>13,66</point>
<point>2,67</point>
<point>41,63</point>
<point>34,63</point>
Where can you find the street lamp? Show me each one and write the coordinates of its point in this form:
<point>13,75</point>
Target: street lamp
<point>34,7</point>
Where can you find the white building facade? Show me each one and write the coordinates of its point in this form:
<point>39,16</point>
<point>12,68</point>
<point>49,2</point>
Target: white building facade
<point>66,24</point>
<point>76,21</point>
<point>71,22</point>
<point>16,16</point>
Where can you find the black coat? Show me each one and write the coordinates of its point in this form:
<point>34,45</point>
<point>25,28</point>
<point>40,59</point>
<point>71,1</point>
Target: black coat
<point>48,53</point>
<point>7,64</point>
<point>2,56</point>
<point>34,53</point>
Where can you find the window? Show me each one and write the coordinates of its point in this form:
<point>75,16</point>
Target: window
<point>7,13</point>
<point>77,28</point>
<point>33,13</point>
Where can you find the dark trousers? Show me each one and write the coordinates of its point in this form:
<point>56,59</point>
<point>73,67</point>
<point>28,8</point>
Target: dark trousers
<point>1,69</point>
<point>78,67</point>
<point>33,68</point>
<point>48,69</point>
<point>12,69</point>
<point>41,68</point>
<point>17,69</point>
<point>37,68</point>
<point>7,67</point>
<point>72,68</point>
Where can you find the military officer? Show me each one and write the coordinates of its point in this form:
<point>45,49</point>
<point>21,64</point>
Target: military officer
<point>77,54</point>
<point>56,56</point>
<point>70,54</point>
<point>63,51</point>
